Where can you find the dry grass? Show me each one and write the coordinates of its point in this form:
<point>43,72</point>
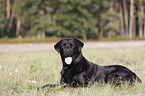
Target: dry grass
<point>31,69</point>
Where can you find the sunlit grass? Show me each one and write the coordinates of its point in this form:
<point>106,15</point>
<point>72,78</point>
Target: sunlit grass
<point>44,67</point>
<point>56,39</point>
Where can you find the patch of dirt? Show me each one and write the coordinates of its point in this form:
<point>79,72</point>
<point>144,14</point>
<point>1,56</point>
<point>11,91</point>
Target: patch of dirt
<point>49,46</point>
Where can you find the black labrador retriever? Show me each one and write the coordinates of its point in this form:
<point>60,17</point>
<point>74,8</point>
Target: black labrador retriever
<point>78,71</point>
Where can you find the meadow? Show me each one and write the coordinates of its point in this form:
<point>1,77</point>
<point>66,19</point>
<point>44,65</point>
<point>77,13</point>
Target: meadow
<point>22,72</point>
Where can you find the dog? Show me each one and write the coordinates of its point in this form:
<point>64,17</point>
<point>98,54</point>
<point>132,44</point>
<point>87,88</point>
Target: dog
<point>78,71</point>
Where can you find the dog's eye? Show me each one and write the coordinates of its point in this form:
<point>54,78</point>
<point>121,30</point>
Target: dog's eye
<point>63,45</point>
<point>72,45</point>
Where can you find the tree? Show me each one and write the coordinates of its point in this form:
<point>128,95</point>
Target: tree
<point>3,18</point>
<point>8,9</point>
<point>121,19</point>
<point>111,26</point>
<point>143,16</point>
<point>103,18</point>
<point>76,19</point>
<point>140,21</point>
<point>26,14</point>
<point>87,19</point>
<point>45,22</point>
<point>131,18</point>
<point>11,18</point>
<point>125,16</point>
<point>8,14</point>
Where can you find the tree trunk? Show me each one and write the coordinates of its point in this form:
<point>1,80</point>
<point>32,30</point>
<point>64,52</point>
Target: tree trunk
<point>125,16</point>
<point>43,33</point>
<point>84,37</point>
<point>110,33</point>
<point>101,31</point>
<point>144,28</point>
<point>3,8</point>
<point>8,9</point>
<point>134,28</point>
<point>8,15</point>
<point>117,20</point>
<point>11,20</point>
<point>140,20</point>
<point>131,18</point>
<point>18,26</point>
<point>121,20</point>
<point>84,34</point>
<point>140,28</point>
<point>3,3</point>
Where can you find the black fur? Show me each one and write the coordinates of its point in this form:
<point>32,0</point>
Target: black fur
<point>80,72</point>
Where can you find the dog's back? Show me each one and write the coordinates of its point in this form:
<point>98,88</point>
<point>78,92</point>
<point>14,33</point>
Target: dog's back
<point>78,71</point>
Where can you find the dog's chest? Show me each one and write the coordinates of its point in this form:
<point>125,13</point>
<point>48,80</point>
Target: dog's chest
<point>68,74</point>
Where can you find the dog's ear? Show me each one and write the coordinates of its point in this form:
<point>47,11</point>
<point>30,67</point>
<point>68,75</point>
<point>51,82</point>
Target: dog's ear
<point>57,46</point>
<point>79,44</point>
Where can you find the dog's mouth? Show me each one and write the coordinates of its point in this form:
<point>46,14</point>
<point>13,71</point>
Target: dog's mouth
<point>67,54</point>
<point>68,60</point>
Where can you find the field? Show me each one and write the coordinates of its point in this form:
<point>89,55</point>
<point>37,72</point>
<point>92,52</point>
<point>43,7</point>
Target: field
<point>21,72</point>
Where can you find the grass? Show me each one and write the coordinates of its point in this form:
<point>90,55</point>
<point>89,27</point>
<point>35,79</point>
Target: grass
<point>55,39</point>
<point>44,67</point>
<point>28,40</point>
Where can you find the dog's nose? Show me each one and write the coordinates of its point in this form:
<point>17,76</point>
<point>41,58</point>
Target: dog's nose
<point>67,50</point>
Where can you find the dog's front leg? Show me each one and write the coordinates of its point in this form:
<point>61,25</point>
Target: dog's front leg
<point>80,80</point>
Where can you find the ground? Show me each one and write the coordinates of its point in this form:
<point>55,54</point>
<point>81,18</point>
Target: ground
<point>24,67</point>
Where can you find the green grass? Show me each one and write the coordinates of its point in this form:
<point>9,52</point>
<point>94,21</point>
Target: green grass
<point>28,40</point>
<point>44,67</point>
<point>55,39</point>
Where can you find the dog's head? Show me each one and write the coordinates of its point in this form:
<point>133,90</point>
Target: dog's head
<point>69,49</point>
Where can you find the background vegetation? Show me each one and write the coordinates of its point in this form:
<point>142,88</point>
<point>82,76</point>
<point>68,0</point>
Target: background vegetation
<point>87,19</point>
<point>21,72</point>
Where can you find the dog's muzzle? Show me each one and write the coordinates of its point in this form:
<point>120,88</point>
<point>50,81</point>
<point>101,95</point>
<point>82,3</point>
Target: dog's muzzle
<point>67,52</point>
